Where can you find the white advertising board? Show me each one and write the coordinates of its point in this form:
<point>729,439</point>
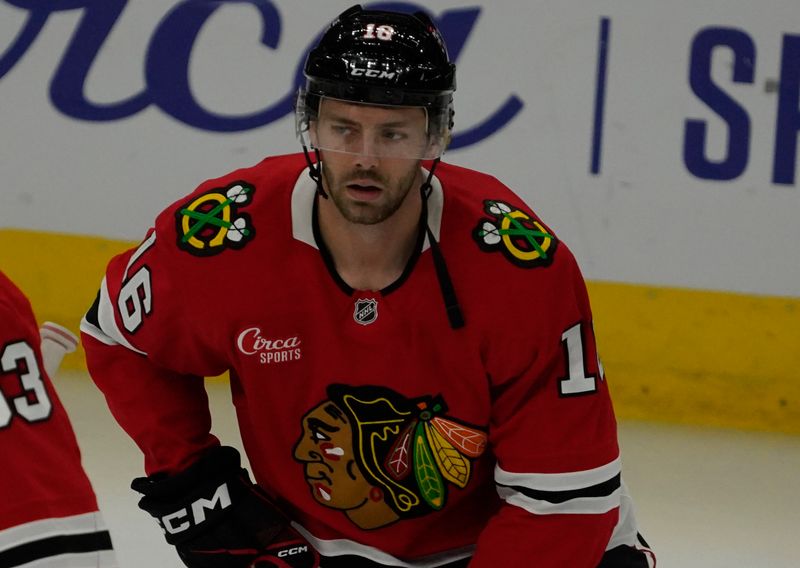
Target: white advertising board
<point>659,139</point>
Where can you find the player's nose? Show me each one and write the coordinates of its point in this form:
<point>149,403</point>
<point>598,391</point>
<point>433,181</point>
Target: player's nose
<point>367,157</point>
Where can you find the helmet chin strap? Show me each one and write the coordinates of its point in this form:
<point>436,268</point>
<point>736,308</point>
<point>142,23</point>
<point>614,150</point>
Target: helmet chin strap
<point>315,170</point>
<point>454,314</point>
<point>452,308</point>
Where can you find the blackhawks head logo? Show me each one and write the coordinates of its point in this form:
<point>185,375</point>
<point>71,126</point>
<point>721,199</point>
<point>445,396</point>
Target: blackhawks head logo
<point>520,237</point>
<point>213,222</point>
<point>380,457</point>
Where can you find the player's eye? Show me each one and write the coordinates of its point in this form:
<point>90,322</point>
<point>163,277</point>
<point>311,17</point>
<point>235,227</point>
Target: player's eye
<point>341,130</point>
<point>394,135</point>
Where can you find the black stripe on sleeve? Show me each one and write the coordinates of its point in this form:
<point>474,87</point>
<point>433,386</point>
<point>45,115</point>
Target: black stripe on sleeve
<point>600,490</point>
<point>92,315</point>
<point>54,546</point>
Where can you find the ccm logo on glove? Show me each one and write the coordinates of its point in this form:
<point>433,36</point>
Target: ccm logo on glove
<point>181,519</point>
<point>292,551</point>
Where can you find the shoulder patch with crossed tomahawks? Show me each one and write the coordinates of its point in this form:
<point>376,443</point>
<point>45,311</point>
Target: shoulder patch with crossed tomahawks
<point>519,236</point>
<point>213,222</point>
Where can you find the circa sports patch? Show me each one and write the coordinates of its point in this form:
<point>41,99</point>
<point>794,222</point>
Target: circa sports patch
<point>213,221</point>
<point>519,236</point>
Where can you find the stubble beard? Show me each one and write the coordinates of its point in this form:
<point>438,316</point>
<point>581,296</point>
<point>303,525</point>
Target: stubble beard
<point>366,213</point>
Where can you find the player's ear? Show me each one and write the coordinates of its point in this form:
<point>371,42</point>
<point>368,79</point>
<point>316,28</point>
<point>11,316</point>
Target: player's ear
<point>312,132</point>
<point>436,147</point>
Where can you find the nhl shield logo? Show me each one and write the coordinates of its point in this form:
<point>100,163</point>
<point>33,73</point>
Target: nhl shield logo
<point>366,311</point>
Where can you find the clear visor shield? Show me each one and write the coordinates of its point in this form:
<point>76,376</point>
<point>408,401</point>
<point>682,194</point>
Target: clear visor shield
<point>372,130</point>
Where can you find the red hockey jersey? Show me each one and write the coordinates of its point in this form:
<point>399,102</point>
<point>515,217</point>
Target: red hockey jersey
<point>48,510</point>
<point>385,433</point>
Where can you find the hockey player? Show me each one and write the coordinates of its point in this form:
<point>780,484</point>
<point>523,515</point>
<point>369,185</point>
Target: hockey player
<point>410,348</point>
<point>48,510</point>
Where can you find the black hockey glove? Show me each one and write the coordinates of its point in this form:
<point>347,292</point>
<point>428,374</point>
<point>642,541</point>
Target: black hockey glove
<point>217,518</point>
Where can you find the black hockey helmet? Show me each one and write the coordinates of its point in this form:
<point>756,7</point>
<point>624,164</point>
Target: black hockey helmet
<point>381,58</point>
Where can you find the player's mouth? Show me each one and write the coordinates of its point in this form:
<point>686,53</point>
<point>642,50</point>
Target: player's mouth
<point>363,190</point>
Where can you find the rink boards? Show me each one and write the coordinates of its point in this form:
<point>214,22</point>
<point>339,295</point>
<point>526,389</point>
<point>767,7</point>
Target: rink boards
<point>674,355</point>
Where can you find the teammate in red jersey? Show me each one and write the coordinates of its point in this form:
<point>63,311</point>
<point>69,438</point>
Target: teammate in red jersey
<point>48,510</point>
<point>410,348</point>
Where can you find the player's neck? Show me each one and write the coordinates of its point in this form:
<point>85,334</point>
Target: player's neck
<point>371,257</point>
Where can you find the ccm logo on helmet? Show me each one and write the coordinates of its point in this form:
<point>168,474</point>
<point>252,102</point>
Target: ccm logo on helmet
<point>183,519</point>
<point>372,73</point>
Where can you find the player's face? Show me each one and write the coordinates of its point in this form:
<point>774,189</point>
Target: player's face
<point>371,157</point>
